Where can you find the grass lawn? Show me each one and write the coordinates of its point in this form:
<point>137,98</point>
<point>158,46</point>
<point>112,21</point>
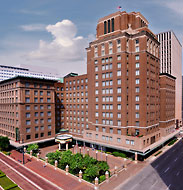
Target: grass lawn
<point>6,182</point>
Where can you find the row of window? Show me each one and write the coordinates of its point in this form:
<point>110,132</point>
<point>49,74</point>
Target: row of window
<point>28,137</point>
<point>36,114</point>
<point>78,81</point>
<point>27,100</point>
<point>36,121</point>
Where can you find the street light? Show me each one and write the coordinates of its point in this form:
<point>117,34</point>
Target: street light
<point>106,156</point>
<point>96,154</point>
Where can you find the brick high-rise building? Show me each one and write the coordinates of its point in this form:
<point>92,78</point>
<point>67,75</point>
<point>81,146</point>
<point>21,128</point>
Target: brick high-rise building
<point>171,63</point>
<point>27,109</point>
<point>124,91</point>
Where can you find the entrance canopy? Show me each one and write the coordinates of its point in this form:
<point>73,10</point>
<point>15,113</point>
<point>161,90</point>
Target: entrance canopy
<point>62,139</point>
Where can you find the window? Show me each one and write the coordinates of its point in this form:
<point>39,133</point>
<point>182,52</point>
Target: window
<point>36,100</point>
<point>137,57</point>
<point>28,130</point>
<point>36,114</point>
<point>41,114</point>
<point>103,129</point>
<point>132,142</point>
<point>35,93</point>
<point>28,122</point>
<point>49,120</point>
<point>96,114</point>
<point>27,100</point>
<point>96,77</point>
<point>27,84</point>
<point>119,115</point>
<point>119,106</point>
<point>41,107</point>
<point>137,115</point>
<point>137,106</point>
<point>49,133</point>
<point>27,92</point>
<point>118,90</point>
<point>36,135</point>
<point>137,41</point>
<point>127,141</point>
<point>49,127</point>
<point>118,140</point>
<point>42,128</point>
<point>48,100</point>
<point>36,121</point>
<point>96,136</point>
<point>105,27</point>
<point>28,137</point>
<point>119,98</point>
<point>137,72</point>
<point>118,73</point>
<point>137,49</point>
<point>119,81</point>
<point>96,106</point>
<point>96,69</point>
<point>48,93</point>
<point>112,24</point>
<point>118,65</point>
<point>111,130</point>
<point>137,65</point>
<point>42,134</point>
<point>109,23</point>
<point>137,98</point>
<point>41,100</point>
<point>41,93</point>
<point>119,131</point>
<point>96,128</point>
<point>119,123</point>
<point>137,81</point>
<point>36,128</point>
<point>119,57</point>
<point>27,107</point>
<point>49,113</point>
<point>137,89</point>
<point>27,115</point>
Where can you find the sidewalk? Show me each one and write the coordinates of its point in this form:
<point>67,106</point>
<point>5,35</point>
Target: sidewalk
<point>123,176</point>
<point>58,177</point>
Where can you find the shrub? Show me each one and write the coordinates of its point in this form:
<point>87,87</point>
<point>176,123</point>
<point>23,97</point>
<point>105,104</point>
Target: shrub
<point>158,153</point>
<point>101,178</point>
<point>172,142</point>
<point>119,154</point>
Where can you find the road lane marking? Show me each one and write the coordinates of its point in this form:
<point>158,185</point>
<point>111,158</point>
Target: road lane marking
<point>177,173</point>
<point>168,187</point>
<point>31,171</point>
<point>21,175</point>
<point>166,157</point>
<point>156,166</point>
<point>175,159</point>
<point>166,170</point>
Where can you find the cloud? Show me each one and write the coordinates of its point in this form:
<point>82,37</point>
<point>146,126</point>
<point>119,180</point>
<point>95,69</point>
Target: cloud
<point>175,5</point>
<point>33,27</point>
<point>65,47</point>
<point>32,12</point>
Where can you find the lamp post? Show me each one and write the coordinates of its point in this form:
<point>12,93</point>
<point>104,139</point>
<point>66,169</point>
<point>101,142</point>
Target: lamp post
<point>23,156</point>
<point>96,154</point>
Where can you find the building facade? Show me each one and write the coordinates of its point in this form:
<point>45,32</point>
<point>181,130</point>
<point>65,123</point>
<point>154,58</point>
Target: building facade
<point>27,109</point>
<point>7,72</point>
<point>123,102</point>
<point>171,63</point>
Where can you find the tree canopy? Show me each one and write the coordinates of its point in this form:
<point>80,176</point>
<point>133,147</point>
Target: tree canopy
<point>4,143</point>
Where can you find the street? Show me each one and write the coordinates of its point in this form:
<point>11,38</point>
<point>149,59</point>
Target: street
<point>165,173</point>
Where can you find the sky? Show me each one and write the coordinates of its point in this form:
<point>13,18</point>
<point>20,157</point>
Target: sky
<point>54,33</point>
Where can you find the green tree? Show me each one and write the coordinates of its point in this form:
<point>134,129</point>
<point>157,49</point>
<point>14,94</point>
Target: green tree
<point>33,147</point>
<point>91,172</point>
<point>76,163</point>
<point>52,156</point>
<point>65,159</point>
<point>103,167</point>
<point>4,143</point>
